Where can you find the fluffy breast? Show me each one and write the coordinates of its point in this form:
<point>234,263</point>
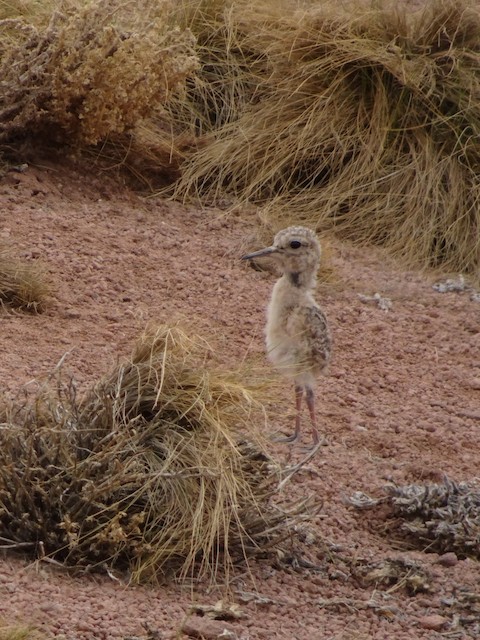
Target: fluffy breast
<point>298,339</point>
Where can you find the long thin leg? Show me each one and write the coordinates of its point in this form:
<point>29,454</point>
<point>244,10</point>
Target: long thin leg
<point>313,418</point>
<point>299,391</point>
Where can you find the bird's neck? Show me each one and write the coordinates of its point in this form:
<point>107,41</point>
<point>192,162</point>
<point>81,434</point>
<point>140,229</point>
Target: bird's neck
<point>292,291</point>
<point>300,280</point>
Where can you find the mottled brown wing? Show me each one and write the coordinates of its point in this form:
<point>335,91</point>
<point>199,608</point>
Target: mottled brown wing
<point>319,335</point>
<point>309,331</point>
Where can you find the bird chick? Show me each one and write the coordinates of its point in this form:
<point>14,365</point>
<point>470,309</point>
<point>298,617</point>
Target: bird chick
<point>297,335</point>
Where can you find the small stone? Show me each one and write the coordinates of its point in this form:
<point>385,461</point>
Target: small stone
<point>449,559</point>
<point>71,314</point>
<point>475,383</point>
<point>206,629</point>
<point>84,625</point>
<point>433,622</point>
<point>51,607</point>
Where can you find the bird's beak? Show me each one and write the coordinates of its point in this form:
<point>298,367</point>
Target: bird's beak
<point>260,254</point>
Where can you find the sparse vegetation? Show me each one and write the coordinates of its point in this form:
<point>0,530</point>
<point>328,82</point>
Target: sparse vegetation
<point>362,119</point>
<point>439,517</point>
<point>149,472</point>
<point>23,285</point>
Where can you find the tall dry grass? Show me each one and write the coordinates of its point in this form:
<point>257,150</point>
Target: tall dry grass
<point>158,468</point>
<point>367,122</point>
<point>234,63</point>
<point>361,118</point>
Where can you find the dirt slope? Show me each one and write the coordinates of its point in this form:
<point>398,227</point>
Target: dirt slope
<point>401,404</point>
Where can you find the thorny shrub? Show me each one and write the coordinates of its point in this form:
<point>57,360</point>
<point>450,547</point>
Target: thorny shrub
<point>93,71</point>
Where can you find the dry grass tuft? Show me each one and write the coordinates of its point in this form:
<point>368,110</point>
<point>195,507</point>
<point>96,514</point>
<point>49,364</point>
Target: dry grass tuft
<point>151,155</point>
<point>151,471</point>
<point>233,60</point>
<point>362,119</point>
<point>23,285</point>
<point>18,632</point>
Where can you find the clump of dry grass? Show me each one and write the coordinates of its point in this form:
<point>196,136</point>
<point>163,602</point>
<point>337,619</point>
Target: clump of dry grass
<point>23,285</point>
<point>233,60</point>
<point>84,73</point>
<point>151,471</point>
<point>368,122</point>
<point>18,632</point>
<point>232,65</point>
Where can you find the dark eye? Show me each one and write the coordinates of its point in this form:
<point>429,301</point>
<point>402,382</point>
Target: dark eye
<point>295,244</point>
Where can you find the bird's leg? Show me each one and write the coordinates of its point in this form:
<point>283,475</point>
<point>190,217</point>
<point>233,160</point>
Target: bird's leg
<point>298,406</point>
<point>313,418</point>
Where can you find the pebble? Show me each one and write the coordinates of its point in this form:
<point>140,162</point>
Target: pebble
<point>206,629</point>
<point>85,626</point>
<point>71,314</point>
<point>51,607</point>
<point>433,622</point>
<point>449,559</point>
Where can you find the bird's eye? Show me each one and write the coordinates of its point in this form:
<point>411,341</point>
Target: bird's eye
<point>295,244</point>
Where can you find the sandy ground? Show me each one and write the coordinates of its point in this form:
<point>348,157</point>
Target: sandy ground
<point>401,405</point>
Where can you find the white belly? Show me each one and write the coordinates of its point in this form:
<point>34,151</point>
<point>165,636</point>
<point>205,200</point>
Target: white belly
<point>281,351</point>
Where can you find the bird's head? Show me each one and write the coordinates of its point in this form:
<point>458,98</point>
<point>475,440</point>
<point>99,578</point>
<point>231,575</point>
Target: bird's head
<point>295,249</point>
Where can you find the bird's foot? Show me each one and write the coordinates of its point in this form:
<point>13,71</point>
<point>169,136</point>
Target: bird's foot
<point>319,442</point>
<point>285,439</point>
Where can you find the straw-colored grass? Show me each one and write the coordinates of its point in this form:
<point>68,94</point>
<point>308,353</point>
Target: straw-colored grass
<point>18,632</point>
<point>368,123</point>
<point>157,468</point>
<point>23,285</point>
<point>233,60</point>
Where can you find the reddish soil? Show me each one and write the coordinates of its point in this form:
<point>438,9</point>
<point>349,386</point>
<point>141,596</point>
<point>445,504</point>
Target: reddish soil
<point>401,404</point>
